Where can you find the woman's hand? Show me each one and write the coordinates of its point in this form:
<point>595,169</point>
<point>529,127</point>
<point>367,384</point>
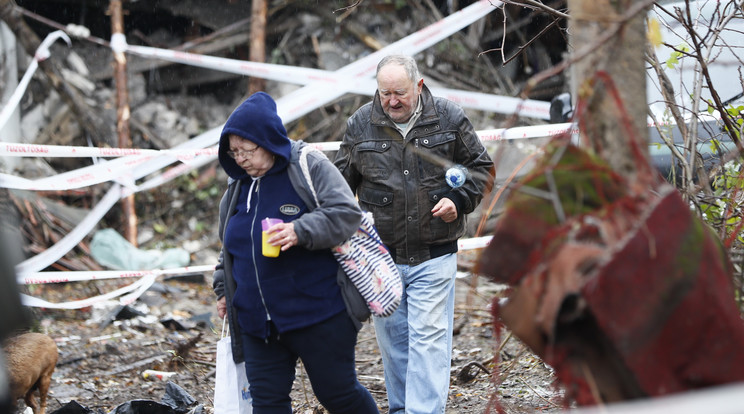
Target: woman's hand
<point>282,234</point>
<point>221,307</point>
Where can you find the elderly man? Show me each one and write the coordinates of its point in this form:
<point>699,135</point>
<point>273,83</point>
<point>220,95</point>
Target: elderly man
<point>394,155</point>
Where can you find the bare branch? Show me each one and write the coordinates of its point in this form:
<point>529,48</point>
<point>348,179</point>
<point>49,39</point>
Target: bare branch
<point>536,5</point>
<point>639,7</point>
<point>349,7</point>
<point>524,46</point>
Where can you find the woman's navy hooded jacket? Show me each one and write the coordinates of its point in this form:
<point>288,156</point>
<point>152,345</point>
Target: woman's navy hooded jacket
<point>299,288</point>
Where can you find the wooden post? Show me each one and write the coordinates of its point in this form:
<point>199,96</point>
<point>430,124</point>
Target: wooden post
<point>123,114</point>
<point>257,53</point>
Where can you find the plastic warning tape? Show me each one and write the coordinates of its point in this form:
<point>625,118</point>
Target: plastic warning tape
<point>64,277</point>
<point>298,103</point>
<point>42,53</point>
<point>62,151</point>
<point>306,99</point>
<point>128,158</point>
<point>113,195</point>
<point>537,131</point>
<point>114,170</point>
<point>186,155</point>
<point>119,169</point>
<point>290,106</point>
<point>116,192</point>
<point>339,80</point>
<point>137,289</point>
<point>156,163</point>
<point>474,243</point>
<point>71,239</point>
<point>303,76</point>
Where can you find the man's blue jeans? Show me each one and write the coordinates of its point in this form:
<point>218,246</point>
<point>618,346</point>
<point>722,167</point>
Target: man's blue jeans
<point>416,341</point>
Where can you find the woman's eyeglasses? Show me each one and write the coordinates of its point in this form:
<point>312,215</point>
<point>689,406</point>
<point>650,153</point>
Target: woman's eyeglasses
<point>242,153</point>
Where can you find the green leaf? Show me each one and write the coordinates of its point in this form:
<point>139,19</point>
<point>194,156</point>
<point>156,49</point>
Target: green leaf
<point>676,55</point>
<point>159,228</point>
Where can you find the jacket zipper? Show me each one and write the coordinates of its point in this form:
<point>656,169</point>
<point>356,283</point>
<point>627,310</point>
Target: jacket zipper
<point>253,252</point>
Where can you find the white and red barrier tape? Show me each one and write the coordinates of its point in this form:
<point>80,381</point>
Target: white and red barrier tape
<point>129,165</point>
<point>122,167</point>
<point>41,54</point>
<point>132,164</point>
<point>195,153</point>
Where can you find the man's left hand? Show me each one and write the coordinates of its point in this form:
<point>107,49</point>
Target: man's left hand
<point>446,210</point>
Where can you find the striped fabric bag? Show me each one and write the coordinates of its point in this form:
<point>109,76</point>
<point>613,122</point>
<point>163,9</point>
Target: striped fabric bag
<point>365,260</point>
<point>370,268</point>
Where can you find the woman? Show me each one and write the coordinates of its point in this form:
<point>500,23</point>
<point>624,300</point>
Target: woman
<point>286,307</point>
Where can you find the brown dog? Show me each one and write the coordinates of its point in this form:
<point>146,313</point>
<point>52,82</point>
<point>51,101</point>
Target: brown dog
<point>31,359</point>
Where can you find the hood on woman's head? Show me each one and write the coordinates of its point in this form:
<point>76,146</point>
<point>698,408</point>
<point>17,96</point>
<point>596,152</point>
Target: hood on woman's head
<point>256,120</point>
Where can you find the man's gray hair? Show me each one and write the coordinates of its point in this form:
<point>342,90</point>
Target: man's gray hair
<point>408,63</point>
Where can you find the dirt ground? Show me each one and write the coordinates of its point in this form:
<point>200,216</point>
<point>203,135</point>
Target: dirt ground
<point>173,327</point>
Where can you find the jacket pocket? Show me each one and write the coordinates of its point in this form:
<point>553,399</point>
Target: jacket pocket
<point>433,141</point>
<point>374,160</point>
<point>375,197</point>
<point>379,202</point>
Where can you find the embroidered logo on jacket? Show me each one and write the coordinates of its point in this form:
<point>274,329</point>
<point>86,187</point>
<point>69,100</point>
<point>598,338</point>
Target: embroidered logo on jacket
<point>289,209</point>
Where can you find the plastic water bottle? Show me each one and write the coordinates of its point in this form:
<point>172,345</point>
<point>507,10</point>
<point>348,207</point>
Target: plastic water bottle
<point>456,176</point>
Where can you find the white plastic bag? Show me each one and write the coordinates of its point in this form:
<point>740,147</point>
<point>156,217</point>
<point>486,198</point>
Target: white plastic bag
<point>231,392</point>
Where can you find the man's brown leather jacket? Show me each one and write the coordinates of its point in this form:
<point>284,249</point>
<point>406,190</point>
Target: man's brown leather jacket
<point>400,179</point>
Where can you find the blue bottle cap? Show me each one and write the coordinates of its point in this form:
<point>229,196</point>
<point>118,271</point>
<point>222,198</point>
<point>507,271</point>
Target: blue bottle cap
<point>456,176</point>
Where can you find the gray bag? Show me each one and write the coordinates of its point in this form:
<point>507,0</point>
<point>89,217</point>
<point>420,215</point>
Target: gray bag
<point>356,306</point>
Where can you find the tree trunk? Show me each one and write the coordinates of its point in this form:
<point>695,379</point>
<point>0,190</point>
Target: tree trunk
<point>611,81</point>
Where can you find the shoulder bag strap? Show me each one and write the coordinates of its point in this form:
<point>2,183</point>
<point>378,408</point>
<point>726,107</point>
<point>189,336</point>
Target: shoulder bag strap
<point>306,171</point>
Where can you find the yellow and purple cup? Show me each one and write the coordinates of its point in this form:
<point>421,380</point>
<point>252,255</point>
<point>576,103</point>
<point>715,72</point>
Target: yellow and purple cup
<point>268,250</point>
